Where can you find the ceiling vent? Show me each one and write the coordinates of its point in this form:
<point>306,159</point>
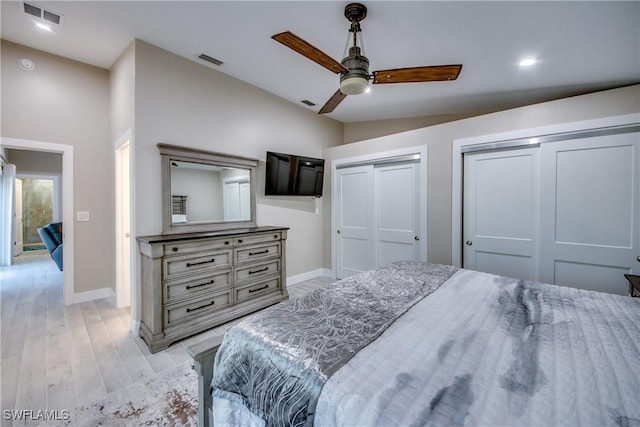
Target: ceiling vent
<point>210,59</point>
<point>41,13</point>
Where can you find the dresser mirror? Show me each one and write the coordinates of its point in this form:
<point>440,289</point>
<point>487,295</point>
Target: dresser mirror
<point>206,191</point>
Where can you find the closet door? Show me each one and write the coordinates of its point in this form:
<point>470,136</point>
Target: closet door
<point>397,212</point>
<point>590,212</point>
<point>501,205</point>
<point>354,220</point>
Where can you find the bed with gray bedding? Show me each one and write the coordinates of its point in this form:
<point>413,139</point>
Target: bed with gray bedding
<point>417,344</point>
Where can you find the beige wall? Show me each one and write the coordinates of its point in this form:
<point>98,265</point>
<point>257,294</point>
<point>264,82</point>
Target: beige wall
<point>360,131</point>
<point>439,141</point>
<point>36,162</point>
<point>67,102</point>
<point>122,93</point>
<point>180,102</point>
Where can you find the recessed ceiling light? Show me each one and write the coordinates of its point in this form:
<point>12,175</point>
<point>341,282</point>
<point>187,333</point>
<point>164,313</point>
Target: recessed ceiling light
<point>27,64</point>
<point>43,26</point>
<point>527,62</point>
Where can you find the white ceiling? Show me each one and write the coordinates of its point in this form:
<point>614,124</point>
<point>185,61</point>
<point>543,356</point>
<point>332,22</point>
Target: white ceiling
<point>580,46</point>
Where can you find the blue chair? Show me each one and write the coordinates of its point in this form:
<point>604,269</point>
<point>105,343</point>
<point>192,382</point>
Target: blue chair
<point>51,236</point>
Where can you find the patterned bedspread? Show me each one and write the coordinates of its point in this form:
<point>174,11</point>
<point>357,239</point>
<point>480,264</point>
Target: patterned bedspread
<point>271,367</point>
<point>480,350</point>
<point>486,350</point>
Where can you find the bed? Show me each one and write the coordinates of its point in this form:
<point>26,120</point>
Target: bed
<point>418,344</point>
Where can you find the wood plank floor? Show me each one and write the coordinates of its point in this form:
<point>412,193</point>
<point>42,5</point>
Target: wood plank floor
<point>54,356</point>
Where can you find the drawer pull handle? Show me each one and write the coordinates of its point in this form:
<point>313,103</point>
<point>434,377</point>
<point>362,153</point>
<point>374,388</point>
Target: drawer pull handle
<point>266,251</point>
<point>174,249</point>
<point>259,289</point>
<point>239,240</point>
<point>210,282</point>
<point>275,236</point>
<point>262,270</point>
<point>191,264</point>
<point>226,242</point>
<point>189,310</point>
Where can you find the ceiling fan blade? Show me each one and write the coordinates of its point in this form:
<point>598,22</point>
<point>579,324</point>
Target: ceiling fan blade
<point>333,102</point>
<point>313,53</point>
<point>433,73</point>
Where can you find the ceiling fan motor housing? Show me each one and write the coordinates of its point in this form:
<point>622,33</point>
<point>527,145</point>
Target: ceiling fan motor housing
<point>356,80</point>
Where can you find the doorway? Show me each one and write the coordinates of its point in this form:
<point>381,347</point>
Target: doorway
<point>67,216</point>
<point>123,222</point>
<point>36,206</point>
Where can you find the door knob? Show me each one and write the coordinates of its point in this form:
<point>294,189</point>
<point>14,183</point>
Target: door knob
<point>638,259</point>
<point>338,231</point>
<point>416,238</point>
<point>468,243</point>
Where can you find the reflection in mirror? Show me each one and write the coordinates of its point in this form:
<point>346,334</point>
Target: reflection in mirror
<point>209,193</point>
<point>206,191</point>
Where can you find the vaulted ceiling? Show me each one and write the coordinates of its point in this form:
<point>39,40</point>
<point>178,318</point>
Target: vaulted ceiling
<point>579,47</point>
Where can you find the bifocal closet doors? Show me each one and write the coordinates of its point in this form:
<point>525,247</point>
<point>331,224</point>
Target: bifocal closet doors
<point>377,210</point>
<point>566,212</point>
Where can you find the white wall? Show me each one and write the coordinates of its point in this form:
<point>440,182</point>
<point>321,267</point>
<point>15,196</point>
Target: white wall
<point>180,102</point>
<point>439,140</point>
<point>67,102</point>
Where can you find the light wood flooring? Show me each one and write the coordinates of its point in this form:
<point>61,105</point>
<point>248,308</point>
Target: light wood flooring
<point>54,356</point>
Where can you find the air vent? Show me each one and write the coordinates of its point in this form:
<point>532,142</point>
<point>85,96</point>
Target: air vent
<point>210,59</point>
<point>41,13</point>
<point>307,102</point>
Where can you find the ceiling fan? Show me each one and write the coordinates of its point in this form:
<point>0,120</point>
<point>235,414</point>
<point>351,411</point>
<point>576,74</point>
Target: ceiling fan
<point>354,68</point>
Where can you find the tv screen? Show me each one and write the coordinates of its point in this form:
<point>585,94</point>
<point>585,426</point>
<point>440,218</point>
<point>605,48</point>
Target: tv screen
<point>291,175</point>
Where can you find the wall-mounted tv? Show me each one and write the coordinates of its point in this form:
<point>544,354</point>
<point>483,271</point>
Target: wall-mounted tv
<point>291,175</point>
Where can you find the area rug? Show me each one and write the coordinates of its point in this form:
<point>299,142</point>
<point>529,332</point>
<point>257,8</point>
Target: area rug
<point>169,399</point>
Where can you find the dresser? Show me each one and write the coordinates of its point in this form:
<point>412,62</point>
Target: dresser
<point>195,281</point>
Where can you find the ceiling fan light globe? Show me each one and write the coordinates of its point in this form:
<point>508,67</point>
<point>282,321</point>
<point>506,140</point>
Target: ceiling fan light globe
<point>354,85</point>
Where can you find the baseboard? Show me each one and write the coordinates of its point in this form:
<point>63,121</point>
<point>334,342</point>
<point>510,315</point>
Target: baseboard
<point>91,295</point>
<point>298,278</point>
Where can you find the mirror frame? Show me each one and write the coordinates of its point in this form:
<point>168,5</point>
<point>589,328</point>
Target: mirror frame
<point>169,153</point>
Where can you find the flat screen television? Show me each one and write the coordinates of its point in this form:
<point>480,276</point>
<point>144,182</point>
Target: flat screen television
<point>291,175</point>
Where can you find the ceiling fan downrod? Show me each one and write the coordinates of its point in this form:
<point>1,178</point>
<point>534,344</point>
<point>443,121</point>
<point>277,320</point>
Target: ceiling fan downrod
<point>356,80</point>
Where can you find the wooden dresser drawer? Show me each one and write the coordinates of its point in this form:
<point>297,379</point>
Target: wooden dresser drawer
<point>257,252</point>
<point>257,289</point>
<point>256,271</point>
<point>177,313</point>
<point>181,248</point>
<point>257,238</point>
<point>181,289</point>
<point>188,264</point>
<point>191,281</point>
